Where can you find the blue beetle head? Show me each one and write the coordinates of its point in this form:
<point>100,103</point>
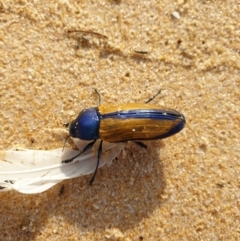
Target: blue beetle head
<point>86,125</point>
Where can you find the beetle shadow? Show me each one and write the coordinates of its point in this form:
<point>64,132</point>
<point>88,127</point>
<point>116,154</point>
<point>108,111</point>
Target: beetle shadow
<point>122,195</point>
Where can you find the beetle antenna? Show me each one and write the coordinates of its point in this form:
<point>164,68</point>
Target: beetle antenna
<point>99,96</point>
<point>153,97</point>
<point>65,142</point>
<point>65,125</point>
<point>98,161</point>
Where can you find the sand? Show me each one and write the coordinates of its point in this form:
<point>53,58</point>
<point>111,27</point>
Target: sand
<point>185,187</point>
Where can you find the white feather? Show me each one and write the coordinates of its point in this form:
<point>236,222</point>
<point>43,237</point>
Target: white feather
<point>35,171</point>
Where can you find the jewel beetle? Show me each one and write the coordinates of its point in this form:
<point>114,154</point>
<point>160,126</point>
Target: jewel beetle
<point>124,122</point>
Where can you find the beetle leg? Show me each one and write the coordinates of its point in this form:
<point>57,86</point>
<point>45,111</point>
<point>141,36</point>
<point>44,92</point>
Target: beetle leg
<point>153,97</point>
<point>99,155</point>
<point>87,147</point>
<point>140,144</point>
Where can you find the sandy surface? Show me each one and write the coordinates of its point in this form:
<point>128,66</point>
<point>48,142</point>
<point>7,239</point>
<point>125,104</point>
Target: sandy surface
<point>186,187</point>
